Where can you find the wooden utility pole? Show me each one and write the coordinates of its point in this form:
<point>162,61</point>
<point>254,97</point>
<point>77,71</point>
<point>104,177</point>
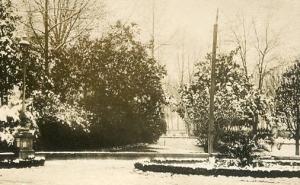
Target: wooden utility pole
<point>46,47</point>
<point>212,90</point>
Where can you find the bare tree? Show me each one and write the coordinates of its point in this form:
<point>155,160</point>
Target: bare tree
<point>55,23</point>
<point>263,40</point>
<point>264,45</point>
<point>272,77</point>
<point>180,64</point>
<point>241,40</point>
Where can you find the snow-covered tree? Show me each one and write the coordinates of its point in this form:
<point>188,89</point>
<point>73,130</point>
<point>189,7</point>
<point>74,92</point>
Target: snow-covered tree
<point>232,88</point>
<point>8,50</point>
<point>236,101</point>
<point>117,80</point>
<point>288,102</point>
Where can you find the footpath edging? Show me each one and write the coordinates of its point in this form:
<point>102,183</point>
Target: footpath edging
<point>124,155</point>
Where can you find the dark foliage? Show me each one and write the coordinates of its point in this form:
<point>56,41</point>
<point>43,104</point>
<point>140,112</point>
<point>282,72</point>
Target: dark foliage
<point>116,80</point>
<point>238,145</point>
<point>288,104</point>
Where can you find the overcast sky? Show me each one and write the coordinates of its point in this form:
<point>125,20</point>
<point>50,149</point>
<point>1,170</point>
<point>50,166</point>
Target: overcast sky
<point>185,26</point>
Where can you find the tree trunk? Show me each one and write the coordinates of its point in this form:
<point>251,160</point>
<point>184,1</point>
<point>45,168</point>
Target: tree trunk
<point>297,139</point>
<point>255,124</point>
<point>260,83</point>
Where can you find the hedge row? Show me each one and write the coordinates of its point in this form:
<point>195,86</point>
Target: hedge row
<point>169,161</point>
<point>21,163</point>
<point>215,172</point>
<point>284,163</point>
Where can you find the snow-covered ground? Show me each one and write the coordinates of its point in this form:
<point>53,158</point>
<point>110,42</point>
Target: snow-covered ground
<point>285,150</point>
<point>116,172</point>
<point>189,145</point>
<point>122,172</point>
<point>176,145</point>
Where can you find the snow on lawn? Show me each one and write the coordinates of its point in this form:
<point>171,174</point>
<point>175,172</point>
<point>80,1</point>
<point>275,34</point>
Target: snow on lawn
<point>115,172</point>
<point>176,145</point>
<point>285,150</point>
<point>189,145</point>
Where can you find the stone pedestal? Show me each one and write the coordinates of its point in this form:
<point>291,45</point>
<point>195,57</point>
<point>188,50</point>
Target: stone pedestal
<point>24,143</point>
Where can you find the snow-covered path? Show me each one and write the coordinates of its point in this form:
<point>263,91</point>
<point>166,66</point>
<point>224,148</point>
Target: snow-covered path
<point>115,172</point>
<point>176,145</point>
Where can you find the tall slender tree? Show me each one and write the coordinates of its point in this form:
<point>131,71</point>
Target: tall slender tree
<point>265,44</point>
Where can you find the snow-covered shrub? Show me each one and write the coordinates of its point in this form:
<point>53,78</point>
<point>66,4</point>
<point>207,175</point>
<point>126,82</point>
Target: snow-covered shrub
<point>11,118</point>
<point>48,105</point>
<point>239,145</point>
<point>39,112</point>
<point>62,125</point>
<point>239,107</point>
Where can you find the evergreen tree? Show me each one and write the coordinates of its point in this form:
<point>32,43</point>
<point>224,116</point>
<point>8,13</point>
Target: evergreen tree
<point>116,80</point>
<point>288,102</point>
<point>8,50</point>
<point>236,105</point>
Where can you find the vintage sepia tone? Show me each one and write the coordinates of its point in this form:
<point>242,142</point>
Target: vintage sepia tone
<point>149,92</point>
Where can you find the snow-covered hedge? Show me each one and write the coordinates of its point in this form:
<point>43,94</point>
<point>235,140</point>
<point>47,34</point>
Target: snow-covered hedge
<point>10,114</point>
<point>10,117</point>
<point>49,105</point>
<point>208,169</point>
<point>22,163</point>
